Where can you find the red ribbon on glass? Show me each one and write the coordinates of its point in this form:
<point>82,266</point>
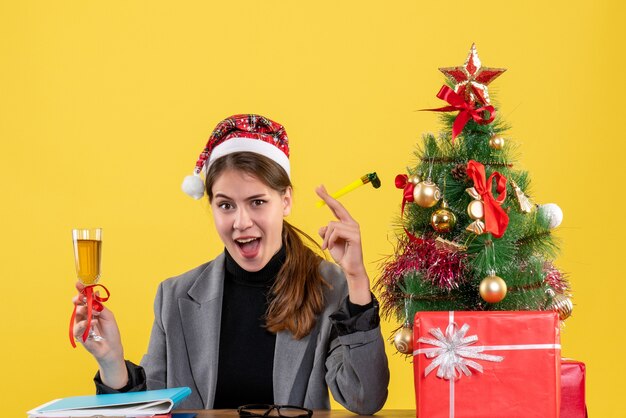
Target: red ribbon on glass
<point>94,303</point>
<point>496,218</point>
<point>466,110</point>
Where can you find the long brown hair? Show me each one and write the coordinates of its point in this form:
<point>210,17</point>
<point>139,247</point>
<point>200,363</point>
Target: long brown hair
<point>297,294</point>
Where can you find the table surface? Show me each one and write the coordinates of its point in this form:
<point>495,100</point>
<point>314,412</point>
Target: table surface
<point>318,413</point>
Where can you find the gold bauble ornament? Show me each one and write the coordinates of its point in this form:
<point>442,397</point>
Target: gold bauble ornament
<point>496,142</point>
<point>403,340</point>
<point>443,220</point>
<point>415,179</point>
<point>563,305</point>
<point>426,194</point>
<point>492,289</point>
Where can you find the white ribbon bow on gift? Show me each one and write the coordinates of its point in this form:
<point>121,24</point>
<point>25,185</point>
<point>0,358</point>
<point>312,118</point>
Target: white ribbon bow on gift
<point>452,356</point>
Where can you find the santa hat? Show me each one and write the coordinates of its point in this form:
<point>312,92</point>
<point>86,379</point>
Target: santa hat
<point>240,133</point>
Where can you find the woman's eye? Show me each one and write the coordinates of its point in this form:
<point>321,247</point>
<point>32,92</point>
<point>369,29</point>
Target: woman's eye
<point>258,202</point>
<point>224,205</point>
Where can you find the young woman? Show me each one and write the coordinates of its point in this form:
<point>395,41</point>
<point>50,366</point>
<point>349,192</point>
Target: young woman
<point>268,320</point>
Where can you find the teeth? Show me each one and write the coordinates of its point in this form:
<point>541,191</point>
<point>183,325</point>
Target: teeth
<point>245,241</point>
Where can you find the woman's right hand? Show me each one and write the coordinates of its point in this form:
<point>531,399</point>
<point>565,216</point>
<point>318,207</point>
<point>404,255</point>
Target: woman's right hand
<point>109,352</point>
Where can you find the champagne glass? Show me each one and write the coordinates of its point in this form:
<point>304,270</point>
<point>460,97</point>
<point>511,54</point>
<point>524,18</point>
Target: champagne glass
<point>87,254</point>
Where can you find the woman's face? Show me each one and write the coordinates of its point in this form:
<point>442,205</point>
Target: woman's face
<point>248,217</point>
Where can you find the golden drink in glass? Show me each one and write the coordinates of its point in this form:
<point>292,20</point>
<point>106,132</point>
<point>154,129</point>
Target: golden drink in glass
<point>88,260</point>
<point>87,254</point>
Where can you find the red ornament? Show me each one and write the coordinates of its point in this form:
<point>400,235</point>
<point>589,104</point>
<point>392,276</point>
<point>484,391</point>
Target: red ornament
<point>471,79</point>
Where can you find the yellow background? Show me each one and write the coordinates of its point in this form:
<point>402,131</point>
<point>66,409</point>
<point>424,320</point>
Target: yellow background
<point>105,105</point>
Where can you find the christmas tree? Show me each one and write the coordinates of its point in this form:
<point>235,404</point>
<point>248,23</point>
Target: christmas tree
<point>472,239</point>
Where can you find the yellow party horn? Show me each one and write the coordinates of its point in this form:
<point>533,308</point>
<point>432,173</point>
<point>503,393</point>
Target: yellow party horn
<point>368,178</point>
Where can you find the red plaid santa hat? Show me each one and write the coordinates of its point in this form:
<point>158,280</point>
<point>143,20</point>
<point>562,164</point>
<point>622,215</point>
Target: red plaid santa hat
<point>240,133</point>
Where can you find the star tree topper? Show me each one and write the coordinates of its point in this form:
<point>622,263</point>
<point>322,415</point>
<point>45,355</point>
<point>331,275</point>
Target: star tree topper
<point>471,79</point>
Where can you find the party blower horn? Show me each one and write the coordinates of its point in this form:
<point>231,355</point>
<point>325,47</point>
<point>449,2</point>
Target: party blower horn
<point>368,178</point>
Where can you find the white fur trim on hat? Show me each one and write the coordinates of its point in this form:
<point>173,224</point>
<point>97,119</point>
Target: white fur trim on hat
<point>251,145</point>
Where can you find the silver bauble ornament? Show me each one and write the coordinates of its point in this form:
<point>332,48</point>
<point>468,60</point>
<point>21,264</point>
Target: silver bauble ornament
<point>553,213</point>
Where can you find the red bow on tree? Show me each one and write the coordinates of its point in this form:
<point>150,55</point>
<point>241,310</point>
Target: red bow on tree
<point>467,110</point>
<point>496,218</point>
<point>402,182</point>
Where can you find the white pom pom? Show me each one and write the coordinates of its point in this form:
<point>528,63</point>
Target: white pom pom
<point>553,213</point>
<point>193,186</point>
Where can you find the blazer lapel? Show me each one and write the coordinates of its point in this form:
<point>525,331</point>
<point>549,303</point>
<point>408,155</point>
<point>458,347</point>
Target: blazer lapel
<point>201,315</point>
<point>289,371</point>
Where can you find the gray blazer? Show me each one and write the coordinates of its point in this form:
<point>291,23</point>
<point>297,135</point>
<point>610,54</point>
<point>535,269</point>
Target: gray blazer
<point>183,348</point>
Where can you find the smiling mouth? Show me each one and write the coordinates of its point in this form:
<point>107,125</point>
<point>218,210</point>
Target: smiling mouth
<point>249,247</point>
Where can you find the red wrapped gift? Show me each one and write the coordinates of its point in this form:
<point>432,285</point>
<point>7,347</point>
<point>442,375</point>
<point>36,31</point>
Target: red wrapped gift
<point>573,389</point>
<point>487,364</point>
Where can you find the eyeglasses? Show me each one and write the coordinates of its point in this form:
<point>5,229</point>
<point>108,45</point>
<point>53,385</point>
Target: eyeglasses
<point>285,411</point>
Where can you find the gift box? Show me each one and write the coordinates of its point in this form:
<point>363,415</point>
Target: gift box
<point>573,389</point>
<point>487,364</point>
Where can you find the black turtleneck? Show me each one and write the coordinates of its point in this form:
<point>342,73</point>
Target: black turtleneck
<point>246,349</point>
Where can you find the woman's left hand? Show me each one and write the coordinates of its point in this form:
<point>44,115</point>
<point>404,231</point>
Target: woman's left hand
<point>342,238</point>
